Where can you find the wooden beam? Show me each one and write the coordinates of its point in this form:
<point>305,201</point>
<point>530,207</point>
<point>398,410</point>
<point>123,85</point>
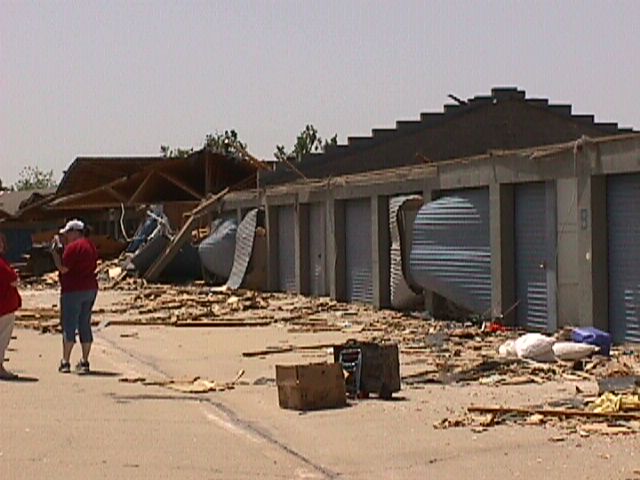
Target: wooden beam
<point>179,183</point>
<point>140,188</point>
<point>554,413</point>
<point>170,252</point>
<point>116,194</point>
<point>75,196</point>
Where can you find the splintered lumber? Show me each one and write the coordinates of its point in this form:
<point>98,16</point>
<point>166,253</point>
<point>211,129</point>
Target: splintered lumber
<point>222,323</point>
<point>553,412</point>
<point>286,349</point>
<point>183,235</point>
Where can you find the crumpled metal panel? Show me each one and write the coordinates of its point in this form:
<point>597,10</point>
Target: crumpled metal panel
<point>244,248</point>
<point>451,252</point>
<point>402,295</point>
<point>623,196</point>
<point>218,249</point>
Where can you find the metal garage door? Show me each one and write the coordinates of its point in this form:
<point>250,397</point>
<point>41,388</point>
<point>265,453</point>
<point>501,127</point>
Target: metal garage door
<point>451,252</point>
<point>317,279</point>
<point>358,232</point>
<point>286,250</point>
<point>623,212</point>
<point>535,258</point>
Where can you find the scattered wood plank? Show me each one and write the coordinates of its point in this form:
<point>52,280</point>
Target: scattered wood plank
<point>286,349</point>
<point>553,412</point>
<point>222,323</point>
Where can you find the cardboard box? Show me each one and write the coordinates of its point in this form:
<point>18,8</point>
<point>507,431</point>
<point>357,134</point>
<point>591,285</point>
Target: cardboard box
<point>311,387</point>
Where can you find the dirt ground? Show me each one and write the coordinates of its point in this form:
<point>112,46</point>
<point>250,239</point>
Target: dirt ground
<point>78,427</point>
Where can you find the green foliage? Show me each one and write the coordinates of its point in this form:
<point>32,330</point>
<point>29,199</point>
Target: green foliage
<point>226,143</point>
<point>32,178</point>
<point>308,141</point>
<point>169,152</point>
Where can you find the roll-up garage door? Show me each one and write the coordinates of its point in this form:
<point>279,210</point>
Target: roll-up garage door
<point>286,249</point>
<point>359,283</point>
<point>535,259</point>
<point>451,252</point>
<point>623,213</point>
<point>317,278</point>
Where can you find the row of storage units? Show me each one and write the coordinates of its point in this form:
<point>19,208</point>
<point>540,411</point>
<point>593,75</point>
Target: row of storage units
<point>444,246</point>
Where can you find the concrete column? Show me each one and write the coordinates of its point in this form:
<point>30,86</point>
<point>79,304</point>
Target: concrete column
<point>380,251</point>
<point>271,221</point>
<point>592,244</point>
<point>301,234</point>
<point>335,249</point>
<point>502,252</point>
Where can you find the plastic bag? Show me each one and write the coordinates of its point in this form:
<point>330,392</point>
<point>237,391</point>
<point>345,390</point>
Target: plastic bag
<point>572,351</point>
<point>535,346</point>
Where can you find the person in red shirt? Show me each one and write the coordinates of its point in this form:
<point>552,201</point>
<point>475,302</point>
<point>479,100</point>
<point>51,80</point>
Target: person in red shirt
<point>79,288</point>
<point>10,301</point>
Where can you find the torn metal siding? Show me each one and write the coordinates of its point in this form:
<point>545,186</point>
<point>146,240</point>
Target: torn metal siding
<point>402,295</point>
<point>451,252</point>
<point>244,248</point>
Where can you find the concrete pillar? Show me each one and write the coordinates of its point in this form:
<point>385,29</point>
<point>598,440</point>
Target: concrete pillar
<point>592,244</point>
<point>336,249</point>
<point>271,221</point>
<point>380,251</point>
<point>301,234</point>
<point>502,252</point>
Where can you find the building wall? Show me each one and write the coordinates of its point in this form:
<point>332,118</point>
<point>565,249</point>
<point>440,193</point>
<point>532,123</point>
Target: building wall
<point>568,315</point>
<point>579,172</point>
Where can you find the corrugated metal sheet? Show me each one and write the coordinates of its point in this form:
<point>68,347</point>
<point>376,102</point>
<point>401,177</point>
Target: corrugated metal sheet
<point>402,296</point>
<point>358,250</point>
<point>244,248</point>
<point>286,249</point>
<point>623,198</point>
<point>530,256</point>
<point>218,249</point>
<point>451,253</point>
<point>317,250</point>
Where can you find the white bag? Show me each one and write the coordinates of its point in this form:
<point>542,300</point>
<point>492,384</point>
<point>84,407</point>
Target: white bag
<point>572,351</point>
<point>535,346</point>
<point>507,349</point>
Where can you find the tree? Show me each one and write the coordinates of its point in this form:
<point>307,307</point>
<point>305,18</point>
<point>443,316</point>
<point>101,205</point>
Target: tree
<point>33,178</point>
<point>308,141</point>
<point>226,143</point>
<point>168,152</point>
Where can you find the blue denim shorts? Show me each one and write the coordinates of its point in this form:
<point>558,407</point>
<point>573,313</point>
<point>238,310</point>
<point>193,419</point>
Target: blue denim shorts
<point>76,315</point>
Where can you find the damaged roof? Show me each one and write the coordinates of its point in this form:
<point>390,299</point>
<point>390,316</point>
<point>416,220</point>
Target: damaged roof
<point>152,180</point>
<point>504,120</point>
<point>11,202</point>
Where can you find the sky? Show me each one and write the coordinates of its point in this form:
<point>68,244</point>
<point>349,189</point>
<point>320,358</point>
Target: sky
<point>100,78</point>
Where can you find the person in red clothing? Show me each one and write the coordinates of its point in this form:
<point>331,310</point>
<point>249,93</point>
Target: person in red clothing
<point>79,288</point>
<point>10,301</point>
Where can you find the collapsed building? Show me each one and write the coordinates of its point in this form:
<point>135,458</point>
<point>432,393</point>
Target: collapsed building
<point>502,206</point>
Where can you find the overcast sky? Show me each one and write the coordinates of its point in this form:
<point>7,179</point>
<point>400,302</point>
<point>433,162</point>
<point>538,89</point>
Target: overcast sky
<point>123,77</point>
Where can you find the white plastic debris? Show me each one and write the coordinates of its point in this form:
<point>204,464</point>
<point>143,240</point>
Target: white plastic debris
<point>572,351</point>
<point>507,349</point>
<point>535,346</point>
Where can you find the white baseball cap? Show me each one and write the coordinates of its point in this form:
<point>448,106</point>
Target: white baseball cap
<point>71,225</point>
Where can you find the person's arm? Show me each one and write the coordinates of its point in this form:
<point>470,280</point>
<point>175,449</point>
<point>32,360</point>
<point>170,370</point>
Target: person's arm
<point>55,254</point>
